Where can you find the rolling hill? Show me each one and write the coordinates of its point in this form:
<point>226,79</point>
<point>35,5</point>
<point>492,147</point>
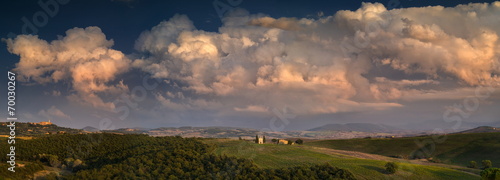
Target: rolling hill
<point>361,127</point>
<point>481,129</point>
<point>34,129</point>
<point>456,149</point>
<point>90,129</point>
<point>133,156</point>
<point>285,156</point>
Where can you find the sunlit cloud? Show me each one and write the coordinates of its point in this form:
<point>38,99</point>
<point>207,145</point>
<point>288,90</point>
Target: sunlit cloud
<point>306,64</point>
<point>83,57</point>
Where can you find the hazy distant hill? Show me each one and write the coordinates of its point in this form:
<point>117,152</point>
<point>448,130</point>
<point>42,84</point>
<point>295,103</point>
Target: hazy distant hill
<point>32,129</point>
<point>90,129</point>
<point>211,132</point>
<point>360,127</point>
<point>26,129</point>
<point>481,129</point>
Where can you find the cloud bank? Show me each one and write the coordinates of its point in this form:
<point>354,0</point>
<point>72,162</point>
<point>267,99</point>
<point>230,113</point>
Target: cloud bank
<point>368,59</point>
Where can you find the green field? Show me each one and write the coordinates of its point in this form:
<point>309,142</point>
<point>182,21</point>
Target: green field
<point>456,149</point>
<point>279,156</point>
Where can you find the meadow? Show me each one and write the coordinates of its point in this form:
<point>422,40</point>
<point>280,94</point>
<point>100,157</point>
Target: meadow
<point>457,149</point>
<point>282,156</point>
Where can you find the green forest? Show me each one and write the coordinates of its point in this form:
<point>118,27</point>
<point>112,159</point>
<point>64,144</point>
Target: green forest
<point>112,156</point>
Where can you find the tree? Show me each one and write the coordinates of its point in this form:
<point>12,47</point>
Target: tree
<point>264,139</point>
<point>49,159</point>
<point>472,164</point>
<point>490,174</point>
<point>486,164</point>
<point>54,162</point>
<point>239,137</point>
<point>391,167</point>
<point>51,176</point>
<point>299,141</point>
<point>274,140</point>
<point>257,139</point>
<point>77,163</point>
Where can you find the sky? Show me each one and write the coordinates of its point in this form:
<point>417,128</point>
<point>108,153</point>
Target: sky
<point>270,65</point>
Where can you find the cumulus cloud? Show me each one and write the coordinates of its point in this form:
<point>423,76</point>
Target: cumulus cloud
<point>83,57</point>
<point>370,58</point>
<point>281,23</point>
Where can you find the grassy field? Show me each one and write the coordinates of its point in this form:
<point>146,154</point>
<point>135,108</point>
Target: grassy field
<point>456,149</point>
<point>278,156</point>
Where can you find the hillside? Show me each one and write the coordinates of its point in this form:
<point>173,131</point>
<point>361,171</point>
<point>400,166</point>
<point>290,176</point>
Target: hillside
<point>481,129</point>
<point>112,156</point>
<point>456,149</point>
<point>247,133</point>
<point>283,156</point>
<point>361,127</point>
<point>33,129</point>
<point>90,129</point>
<point>446,126</point>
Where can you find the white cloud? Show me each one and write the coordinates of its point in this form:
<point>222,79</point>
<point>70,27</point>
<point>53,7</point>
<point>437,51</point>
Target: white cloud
<point>326,65</point>
<point>84,57</point>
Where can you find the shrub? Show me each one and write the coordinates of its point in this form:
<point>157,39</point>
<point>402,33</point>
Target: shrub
<point>299,141</point>
<point>472,164</point>
<point>51,176</point>
<point>391,167</point>
<point>486,164</point>
<point>490,174</point>
<point>49,159</point>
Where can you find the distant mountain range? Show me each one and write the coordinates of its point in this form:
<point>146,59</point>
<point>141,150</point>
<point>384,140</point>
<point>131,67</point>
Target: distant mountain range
<point>329,131</point>
<point>353,130</point>
<point>359,127</point>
